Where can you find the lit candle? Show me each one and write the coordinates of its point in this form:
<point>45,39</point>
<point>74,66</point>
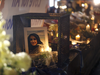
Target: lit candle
<point>77,37</point>
<point>95,26</point>
<point>51,33</point>
<point>96,29</point>
<point>88,41</point>
<point>56,34</point>
<point>42,50</point>
<point>88,27</point>
<point>48,49</point>
<point>92,18</point>
<point>73,43</point>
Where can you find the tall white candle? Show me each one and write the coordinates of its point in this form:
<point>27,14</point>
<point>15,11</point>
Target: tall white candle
<point>88,27</point>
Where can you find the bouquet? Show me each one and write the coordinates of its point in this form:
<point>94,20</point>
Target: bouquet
<point>10,63</point>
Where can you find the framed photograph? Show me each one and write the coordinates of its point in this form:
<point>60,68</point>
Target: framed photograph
<point>35,39</point>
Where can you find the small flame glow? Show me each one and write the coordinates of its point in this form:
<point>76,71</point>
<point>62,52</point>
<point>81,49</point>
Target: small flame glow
<point>96,29</point>
<point>93,17</point>
<point>48,49</point>
<point>63,7</point>
<point>73,43</point>
<point>56,34</point>
<point>42,50</point>
<point>83,5</point>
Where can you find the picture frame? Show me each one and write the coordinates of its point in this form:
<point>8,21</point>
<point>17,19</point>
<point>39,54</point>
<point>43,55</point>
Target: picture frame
<point>40,31</point>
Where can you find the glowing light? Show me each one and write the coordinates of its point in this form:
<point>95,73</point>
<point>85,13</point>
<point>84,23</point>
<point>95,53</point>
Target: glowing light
<point>96,2</point>
<point>83,5</point>
<point>56,3</point>
<point>73,43</point>
<point>42,50</point>
<point>51,3</point>
<point>92,18</point>
<point>88,41</point>
<point>51,33</point>
<point>56,34</point>
<point>96,29</point>
<point>86,5</point>
<point>77,37</point>
<point>72,12</point>
<point>96,25</point>
<point>88,27</point>
<point>63,7</point>
<point>48,49</point>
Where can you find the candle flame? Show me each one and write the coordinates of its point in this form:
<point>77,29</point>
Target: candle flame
<point>73,43</point>
<point>78,35</point>
<point>48,49</point>
<point>96,29</point>
<point>42,50</point>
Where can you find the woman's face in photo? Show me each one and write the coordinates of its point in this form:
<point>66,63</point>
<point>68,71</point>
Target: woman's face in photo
<point>33,41</point>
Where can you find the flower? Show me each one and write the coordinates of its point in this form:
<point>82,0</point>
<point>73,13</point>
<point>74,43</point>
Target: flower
<point>23,61</point>
<point>9,71</point>
<point>10,63</point>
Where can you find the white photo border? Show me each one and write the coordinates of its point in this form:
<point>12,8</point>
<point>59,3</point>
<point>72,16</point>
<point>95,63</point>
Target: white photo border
<point>33,29</point>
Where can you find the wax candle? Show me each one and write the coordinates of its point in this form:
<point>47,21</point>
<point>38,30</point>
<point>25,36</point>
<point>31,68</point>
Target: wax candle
<point>56,34</point>
<point>92,18</point>
<point>77,37</point>
<point>88,41</point>
<point>88,27</point>
<point>95,26</point>
<point>96,29</point>
<point>73,43</point>
<point>51,33</point>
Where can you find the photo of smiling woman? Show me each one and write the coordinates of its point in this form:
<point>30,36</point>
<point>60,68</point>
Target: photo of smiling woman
<point>33,43</point>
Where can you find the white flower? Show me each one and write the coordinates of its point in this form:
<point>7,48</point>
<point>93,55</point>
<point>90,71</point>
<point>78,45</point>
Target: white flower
<point>6,43</point>
<point>2,37</point>
<point>9,71</point>
<point>2,22</point>
<point>17,62</point>
<point>11,60</point>
<point>2,61</point>
<point>0,44</point>
<point>23,61</point>
<point>4,52</point>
